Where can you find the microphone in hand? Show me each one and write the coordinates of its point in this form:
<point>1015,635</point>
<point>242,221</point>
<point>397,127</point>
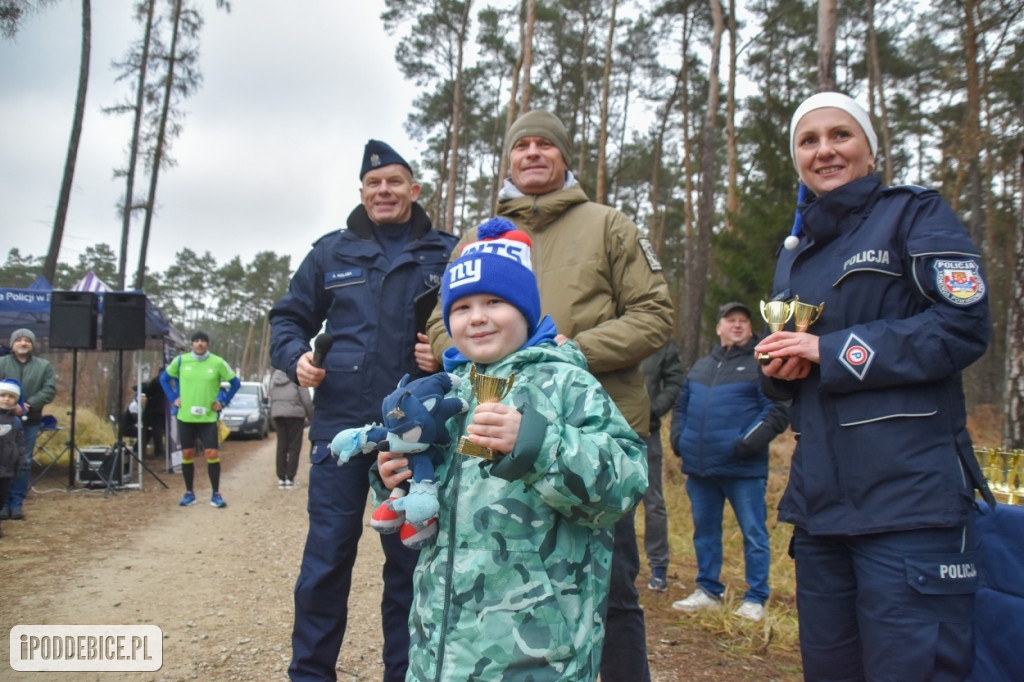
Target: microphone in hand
<point>321,346</point>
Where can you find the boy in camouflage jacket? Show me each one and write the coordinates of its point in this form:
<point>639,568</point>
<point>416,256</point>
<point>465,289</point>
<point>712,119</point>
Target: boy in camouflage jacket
<point>515,586</point>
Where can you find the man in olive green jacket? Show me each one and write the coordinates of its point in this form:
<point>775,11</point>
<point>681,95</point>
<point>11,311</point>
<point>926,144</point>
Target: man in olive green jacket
<point>39,388</point>
<point>602,285</point>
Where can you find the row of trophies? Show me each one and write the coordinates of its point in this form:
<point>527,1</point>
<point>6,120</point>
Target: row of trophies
<point>1004,471</point>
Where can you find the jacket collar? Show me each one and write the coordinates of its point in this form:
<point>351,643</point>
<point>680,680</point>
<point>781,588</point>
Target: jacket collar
<point>828,216</point>
<point>721,352</point>
<point>537,212</point>
<point>361,226</point>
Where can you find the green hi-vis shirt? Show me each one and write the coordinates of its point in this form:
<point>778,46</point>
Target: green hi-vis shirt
<point>199,383</point>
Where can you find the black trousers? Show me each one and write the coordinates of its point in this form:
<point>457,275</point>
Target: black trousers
<point>289,445</point>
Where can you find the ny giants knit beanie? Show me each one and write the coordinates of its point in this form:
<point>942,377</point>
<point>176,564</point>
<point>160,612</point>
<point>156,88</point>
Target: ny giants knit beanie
<point>497,264</point>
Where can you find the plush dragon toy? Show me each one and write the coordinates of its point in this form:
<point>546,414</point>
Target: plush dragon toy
<point>414,417</point>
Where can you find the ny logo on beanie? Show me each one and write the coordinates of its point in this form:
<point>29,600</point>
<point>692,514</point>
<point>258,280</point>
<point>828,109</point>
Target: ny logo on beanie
<point>464,272</point>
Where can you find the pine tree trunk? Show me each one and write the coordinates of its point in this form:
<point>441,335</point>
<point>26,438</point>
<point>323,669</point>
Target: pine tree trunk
<point>697,270</point>
<point>876,84</point>
<point>133,154</point>
<point>140,274</point>
<point>524,31</point>
<point>826,45</point>
<point>731,197</point>
<point>601,193</point>
<point>453,168</point>
<point>50,264</point>
<point>531,15</point>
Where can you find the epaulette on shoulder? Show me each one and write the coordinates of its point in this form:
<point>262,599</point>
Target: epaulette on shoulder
<point>332,233</point>
<point>913,189</point>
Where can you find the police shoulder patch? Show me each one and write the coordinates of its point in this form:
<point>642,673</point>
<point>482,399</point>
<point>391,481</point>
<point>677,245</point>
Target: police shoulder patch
<point>856,356</point>
<point>648,250</point>
<point>959,280</point>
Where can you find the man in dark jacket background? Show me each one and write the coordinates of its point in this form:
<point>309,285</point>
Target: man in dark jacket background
<point>663,376</point>
<point>721,427</point>
<point>363,281</point>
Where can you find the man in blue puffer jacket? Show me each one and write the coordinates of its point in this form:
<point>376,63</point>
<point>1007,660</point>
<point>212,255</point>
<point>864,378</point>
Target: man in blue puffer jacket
<point>721,428</point>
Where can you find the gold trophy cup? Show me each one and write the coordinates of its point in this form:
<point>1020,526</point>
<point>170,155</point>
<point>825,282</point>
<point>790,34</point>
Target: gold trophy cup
<point>486,389</point>
<point>805,314</point>
<point>776,314</point>
<point>1015,477</point>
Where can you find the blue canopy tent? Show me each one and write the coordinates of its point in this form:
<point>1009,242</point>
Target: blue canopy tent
<point>30,308</point>
<point>25,309</point>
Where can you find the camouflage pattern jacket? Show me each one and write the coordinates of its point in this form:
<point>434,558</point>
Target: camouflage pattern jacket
<point>515,586</point>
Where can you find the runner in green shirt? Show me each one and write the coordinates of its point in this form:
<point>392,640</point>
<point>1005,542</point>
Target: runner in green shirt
<point>192,383</point>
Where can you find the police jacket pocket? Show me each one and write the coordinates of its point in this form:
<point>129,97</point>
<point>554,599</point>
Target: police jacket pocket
<point>865,407</point>
<point>944,576</point>
<point>344,361</point>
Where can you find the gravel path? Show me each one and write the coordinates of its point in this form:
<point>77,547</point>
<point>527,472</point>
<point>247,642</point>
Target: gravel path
<point>218,582</point>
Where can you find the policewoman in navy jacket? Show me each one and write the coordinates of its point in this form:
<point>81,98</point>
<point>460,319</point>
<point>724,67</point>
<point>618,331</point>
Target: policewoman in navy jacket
<point>881,487</point>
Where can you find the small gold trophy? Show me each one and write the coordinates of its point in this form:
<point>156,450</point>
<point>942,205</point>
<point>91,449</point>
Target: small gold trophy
<point>487,389</point>
<point>805,314</point>
<point>1015,477</point>
<point>776,314</point>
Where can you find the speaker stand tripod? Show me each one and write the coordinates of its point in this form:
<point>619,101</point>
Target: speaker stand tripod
<point>120,448</point>
<point>71,448</point>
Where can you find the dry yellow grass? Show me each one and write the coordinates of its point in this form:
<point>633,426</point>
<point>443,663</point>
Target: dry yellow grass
<point>780,628</point>
<point>91,430</point>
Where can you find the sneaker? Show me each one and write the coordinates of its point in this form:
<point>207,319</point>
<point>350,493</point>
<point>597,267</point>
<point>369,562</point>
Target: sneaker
<point>418,536</point>
<point>659,579</point>
<point>281,483</point>
<point>293,484</point>
<point>385,519</point>
<point>190,498</point>
<point>5,514</point>
<point>218,501</point>
<point>658,584</point>
<point>697,601</point>
<point>17,514</point>
<point>750,610</point>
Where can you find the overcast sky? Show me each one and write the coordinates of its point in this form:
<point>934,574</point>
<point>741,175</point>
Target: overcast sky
<point>270,153</point>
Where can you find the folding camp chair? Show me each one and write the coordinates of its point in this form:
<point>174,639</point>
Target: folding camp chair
<point>43,455</point>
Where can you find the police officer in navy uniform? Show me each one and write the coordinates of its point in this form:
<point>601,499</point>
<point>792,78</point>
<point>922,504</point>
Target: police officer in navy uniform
<point>363,282</point>
<point>882,481</point>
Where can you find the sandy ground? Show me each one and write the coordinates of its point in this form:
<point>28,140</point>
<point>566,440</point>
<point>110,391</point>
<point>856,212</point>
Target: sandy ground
<point>218,582</point>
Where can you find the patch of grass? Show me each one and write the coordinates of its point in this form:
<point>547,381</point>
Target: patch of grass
<point>91,430</point>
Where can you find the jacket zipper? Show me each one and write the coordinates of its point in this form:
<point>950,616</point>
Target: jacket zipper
<point>450,562</point>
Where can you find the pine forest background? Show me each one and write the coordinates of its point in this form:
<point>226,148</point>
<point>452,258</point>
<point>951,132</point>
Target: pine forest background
<point>679,115</point>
